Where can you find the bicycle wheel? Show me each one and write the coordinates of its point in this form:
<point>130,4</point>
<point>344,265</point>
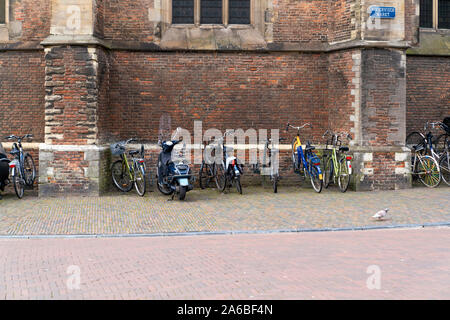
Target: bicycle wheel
<point>238,184</point>
<point>428,171</point>
<point>444,165</point>
<point>205,175</point>
<point>344,176</point>
<point>139,179</point>
<point>440,143</point>
<point>275,179</point>
<point>295,163</point>
<point>121,176</point>
<point>414,139</point>
<point>220,177</point>
<point>18,182</point>
<point>29,170</point>
<point>315,180</point>
<point>328,172</point>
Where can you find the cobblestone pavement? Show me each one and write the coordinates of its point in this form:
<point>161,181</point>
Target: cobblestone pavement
<point>410,263</point>
<point>208,210</point>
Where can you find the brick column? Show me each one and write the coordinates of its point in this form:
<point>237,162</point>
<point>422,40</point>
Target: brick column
<point>381,160</point>
<point>72,160</point>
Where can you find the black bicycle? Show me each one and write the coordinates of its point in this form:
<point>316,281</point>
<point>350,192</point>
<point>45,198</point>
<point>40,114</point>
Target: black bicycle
<point>270,165</point>
<point>207,171</point>
<point>23,170</point>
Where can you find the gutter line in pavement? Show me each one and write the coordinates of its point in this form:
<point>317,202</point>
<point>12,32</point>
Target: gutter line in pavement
<point>226,232</point>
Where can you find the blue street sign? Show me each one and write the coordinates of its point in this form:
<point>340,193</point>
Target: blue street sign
<point>382,12</point>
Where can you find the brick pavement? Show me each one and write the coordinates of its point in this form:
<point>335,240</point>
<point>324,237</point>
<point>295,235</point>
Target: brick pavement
<point>413,264</point>
<point>208,210</point>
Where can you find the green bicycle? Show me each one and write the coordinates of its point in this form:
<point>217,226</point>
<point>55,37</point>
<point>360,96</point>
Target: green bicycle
<point>338,166</point>
<point>125,175</point>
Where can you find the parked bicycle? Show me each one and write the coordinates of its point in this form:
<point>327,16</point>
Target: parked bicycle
<point>228,170</point>
<point>437,148</point>
<point>425,167</point>
<point>337,164</point>
<point>269,167</point>
<point>207,172</point>
<point>306,162</point>
<point>23,170</point>
<point>126,174</point>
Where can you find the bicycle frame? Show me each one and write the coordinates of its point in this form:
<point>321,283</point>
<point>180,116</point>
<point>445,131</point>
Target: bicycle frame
<point>302,159</point>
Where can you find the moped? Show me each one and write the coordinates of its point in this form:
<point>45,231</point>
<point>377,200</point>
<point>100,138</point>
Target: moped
<point>173,173</point>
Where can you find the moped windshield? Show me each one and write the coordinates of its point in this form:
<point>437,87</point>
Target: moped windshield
<point>2,150</point>
<point>179,154</point>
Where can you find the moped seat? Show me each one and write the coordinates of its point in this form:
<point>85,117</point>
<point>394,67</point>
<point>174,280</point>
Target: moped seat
<point>343,149</point>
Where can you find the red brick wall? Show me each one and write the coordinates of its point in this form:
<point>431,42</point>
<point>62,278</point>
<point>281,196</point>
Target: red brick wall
<point>340,76</point>
<point>300,21</point>
<point>428,91</point>
<point>35,16</point>
<point>383,97</point>
<point>339,20</point>
<point>230,90</point>
<point>128,20</point>
<point>22,94</point>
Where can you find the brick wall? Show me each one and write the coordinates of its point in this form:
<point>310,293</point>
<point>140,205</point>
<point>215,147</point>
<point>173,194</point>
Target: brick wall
<point>383,97</point>
<point>428,90</point>
<point>340,24</point>
<point>300,21</point>
<point>22,94</point>
<point>33,18</point>
<point>340,84</point>
<point>231,90</point>
<point>128,20</point>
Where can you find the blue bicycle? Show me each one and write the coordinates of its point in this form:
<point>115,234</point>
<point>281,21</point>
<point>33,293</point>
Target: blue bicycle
<point>306,162</point>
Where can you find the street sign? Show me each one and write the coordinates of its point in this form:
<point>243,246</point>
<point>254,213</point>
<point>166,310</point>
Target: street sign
<point>382,12</point>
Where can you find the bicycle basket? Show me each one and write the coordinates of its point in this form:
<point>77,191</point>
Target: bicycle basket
<point>117,149</point>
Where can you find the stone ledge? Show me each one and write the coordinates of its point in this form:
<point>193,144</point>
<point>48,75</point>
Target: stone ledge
<point>432,43</point>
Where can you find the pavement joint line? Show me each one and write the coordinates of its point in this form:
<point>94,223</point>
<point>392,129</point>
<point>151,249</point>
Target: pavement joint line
<point>225,232</point>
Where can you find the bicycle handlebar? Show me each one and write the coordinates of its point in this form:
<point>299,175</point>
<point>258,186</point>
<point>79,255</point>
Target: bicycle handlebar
<point>298,128</point>
<point>19,138</point>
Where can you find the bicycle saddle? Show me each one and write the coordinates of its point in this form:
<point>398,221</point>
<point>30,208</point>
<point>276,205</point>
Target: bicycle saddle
<point>343,149</point>
<point>133,152</point>
<point>310,147</point>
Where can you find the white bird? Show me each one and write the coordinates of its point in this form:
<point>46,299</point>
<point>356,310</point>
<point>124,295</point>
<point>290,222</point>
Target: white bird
<point>380,214</point>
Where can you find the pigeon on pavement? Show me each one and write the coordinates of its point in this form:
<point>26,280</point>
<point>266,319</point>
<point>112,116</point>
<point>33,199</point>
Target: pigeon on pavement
<point>380,214</point>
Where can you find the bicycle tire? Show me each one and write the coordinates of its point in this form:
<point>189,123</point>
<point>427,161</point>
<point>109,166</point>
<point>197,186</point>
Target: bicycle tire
<point>29,180</point>
<point>139,180</point>
<point>316,183</point>
<point>275,183</point>
<point>343,172</point>
<point>18,186</point>
<point>416,138</point>
<point>120,178</point>
<point>220,177</point>
<point>444,165</point>
<point>328,172</point>
<point>440,143</point>
<point>295,163</point>
<point>238,184</point>
<point>432,179</point>
<point>205,176</point>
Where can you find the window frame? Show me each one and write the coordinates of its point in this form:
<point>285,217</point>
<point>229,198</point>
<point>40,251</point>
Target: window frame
<point>225,16</point>
<point>435,24</point>
<point>6,14</point>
